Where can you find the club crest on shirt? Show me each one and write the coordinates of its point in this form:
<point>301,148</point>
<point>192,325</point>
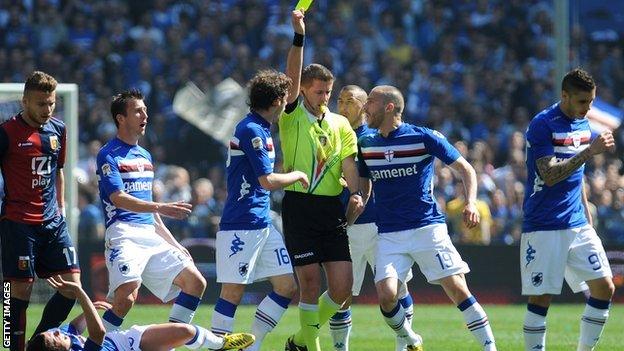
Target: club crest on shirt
<point>576,140</point>
<point>257,143</point>
<point>23,263</point>
<point>54,143</point>
<point>141,167</point>
<point>389,155</point>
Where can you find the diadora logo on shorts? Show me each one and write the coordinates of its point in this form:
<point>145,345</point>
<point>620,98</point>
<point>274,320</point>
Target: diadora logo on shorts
<point>530,254</point>
<point>237,245</point>
<point>304,255</point>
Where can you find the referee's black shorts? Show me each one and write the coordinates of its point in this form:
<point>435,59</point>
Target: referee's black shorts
<point>315,228</point>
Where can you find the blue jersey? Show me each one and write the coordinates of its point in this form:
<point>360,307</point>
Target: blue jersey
<point>251,155</point>
<point>78,342</point>
<point>369,214</point>
<point>127,168</point>
<point>559,206</point>
<point>401,168</point>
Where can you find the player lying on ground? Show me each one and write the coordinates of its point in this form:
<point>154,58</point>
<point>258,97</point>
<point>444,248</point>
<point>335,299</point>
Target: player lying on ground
<point>153,337</point>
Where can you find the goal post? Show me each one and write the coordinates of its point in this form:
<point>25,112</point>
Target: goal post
<point>67,111</point>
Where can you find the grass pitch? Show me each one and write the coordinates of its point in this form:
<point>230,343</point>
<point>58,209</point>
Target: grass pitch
<point>441,326</point>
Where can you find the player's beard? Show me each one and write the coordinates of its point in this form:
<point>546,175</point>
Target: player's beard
<point>37,119</point>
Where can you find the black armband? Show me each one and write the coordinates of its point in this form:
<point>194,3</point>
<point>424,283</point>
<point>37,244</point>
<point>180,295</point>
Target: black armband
<point>298,40</point>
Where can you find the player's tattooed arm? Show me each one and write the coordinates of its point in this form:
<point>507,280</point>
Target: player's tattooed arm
<point>553,171</point>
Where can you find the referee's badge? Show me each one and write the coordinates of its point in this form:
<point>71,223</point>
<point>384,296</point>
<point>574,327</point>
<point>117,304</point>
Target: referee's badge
<point>323,140</point>
<point>54,143</point>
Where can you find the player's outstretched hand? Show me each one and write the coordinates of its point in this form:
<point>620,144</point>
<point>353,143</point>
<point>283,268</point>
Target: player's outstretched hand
<point>303,179</point>
<point>177,210</point>
<point>68,288</point>
<point>297,22</point>
<point>604,142</point>
<point>471,215</point>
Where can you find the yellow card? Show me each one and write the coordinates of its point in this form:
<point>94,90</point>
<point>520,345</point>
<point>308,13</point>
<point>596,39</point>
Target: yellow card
<point>303,5</point>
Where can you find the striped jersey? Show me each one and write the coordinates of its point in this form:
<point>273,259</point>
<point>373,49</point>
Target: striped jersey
<point>316,147</point>
<point>78,342</point>
<point>251,155</point>
<point>29,158</point>
<point>401,169</point>
<point>127,168</point>
<point>559,206</point>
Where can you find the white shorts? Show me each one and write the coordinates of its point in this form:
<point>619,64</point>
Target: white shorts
<point>246,256</point>
<point>430,247</point>
<point>363,245</point>
<point>127,340</point>
<point>134,252</point>
<point>548,257</point>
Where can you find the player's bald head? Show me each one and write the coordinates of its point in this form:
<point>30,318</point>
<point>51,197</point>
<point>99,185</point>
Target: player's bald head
<point>357,92</point>
<point>390,94</point>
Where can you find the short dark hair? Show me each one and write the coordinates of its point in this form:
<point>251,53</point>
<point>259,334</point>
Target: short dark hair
<point>315,71</point>
<point>577,80</point>
<point>40,81</point>
<point>265,87</point>
<point>120,102</point>
<point>38,343</point>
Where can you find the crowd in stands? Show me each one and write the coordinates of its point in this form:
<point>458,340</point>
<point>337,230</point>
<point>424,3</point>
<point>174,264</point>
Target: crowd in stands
<point>477,71</point>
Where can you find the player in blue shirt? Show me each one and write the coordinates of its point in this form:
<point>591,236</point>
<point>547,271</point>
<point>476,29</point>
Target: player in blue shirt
<point>139,248</point>
<point>164,336</point>
<point>363,232</point>
<point>558,240</point>
<point>399,160</point>
<point>249,248</point>
<point>33,231</point>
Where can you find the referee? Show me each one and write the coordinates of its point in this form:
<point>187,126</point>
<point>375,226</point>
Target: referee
<point>322,145</point>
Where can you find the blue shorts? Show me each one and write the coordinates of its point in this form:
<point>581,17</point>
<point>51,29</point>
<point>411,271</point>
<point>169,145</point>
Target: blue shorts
<point>45,249</point>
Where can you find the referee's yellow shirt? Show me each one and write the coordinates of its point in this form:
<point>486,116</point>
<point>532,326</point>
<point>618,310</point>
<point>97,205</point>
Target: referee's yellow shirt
<point>316,148</point>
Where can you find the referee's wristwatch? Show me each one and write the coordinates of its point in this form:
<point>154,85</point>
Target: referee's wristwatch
<point>359,192</point>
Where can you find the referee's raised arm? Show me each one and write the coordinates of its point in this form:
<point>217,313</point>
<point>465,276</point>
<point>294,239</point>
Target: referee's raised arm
<point>294,62</point>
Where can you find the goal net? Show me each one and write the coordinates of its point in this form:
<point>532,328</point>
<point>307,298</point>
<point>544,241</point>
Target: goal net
<point>66,110</point>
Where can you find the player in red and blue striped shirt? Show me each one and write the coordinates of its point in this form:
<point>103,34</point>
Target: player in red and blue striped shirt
<point>32,224</point>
